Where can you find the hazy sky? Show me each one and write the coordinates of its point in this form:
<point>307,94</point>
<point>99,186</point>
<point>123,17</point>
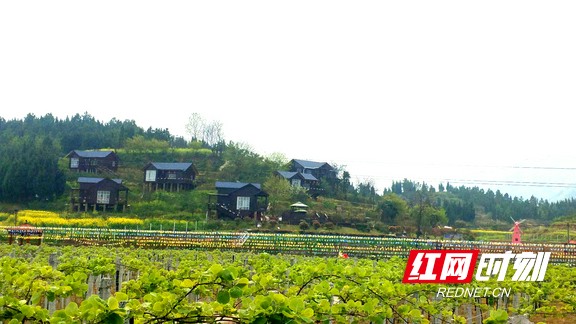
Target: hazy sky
<point>424,90</point>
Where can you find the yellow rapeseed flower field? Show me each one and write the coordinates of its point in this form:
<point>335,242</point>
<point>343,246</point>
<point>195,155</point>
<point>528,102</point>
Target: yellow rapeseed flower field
<point>46,218</point>
<point>36,214</point>
<point>125,221</point>
<point>488,231</point>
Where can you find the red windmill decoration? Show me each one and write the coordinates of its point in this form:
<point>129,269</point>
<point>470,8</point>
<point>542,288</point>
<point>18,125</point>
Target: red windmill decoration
<point>516,231</point>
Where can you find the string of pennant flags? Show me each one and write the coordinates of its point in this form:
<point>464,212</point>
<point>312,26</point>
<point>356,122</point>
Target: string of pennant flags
<point>288,243</point>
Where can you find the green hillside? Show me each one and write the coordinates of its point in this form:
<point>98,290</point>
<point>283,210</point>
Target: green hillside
<point>34,175</point>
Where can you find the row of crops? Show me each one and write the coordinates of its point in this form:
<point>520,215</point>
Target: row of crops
<point>306,244</point>
<point>53,284</point>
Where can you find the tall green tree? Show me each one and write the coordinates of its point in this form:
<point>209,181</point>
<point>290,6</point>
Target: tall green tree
<point>279,192</point>
<point>241,163</point>
<point>29,170</point>
<point>393,209</point>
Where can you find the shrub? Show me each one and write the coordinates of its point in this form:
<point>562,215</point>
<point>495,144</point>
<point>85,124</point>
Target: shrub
<point>273,224</point>
<point>380,227</point>
<point>329,226</point>
<point>460,224</point>
<point>316,224</point>
<point>329,205</point>
<point>363,227</point>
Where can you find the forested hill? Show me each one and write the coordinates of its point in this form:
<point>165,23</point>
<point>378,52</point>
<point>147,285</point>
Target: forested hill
<point>32,148</point>
<point>484,207</point>
<point>81,132</point>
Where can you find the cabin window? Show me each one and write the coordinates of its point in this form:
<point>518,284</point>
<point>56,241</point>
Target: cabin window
<point>243,203</point>
<point>103,197</point>
<point>74,162</point>
<point>296,183</point>
<point>150,175</point>
<point>172,175</point>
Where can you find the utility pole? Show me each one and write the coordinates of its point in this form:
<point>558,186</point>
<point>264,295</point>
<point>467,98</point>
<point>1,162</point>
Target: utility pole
<point>568,231</point>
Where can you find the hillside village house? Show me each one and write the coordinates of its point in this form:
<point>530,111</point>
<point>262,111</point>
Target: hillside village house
<point>308,174</point>
<point>238,200</point>
<point>298,179</point>
<point>320,170</point>
<point>93,161</point>
<point>99,194</point>
<point>169,176</point>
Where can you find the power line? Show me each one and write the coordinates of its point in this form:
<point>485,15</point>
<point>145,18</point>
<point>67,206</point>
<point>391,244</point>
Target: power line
<point>541,167</point>
<point>485,182</point>
<point>515,183</point>
<point>387,163</point>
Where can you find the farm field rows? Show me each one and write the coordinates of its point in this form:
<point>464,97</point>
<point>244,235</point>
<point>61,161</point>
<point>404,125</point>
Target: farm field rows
<point>304,244</point>
<point>57,284</point>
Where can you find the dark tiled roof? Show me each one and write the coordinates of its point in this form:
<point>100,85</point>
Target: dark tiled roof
<point>171,166</point>
<point>96,180</point>
<point>290,175</point>
<point>308,176</point>
<point>309,164</point>
<point>287,174</point>
<point>234,185</point>
<point>92,154</point>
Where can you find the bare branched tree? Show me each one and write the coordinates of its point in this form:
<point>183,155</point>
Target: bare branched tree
<point>208,133</point>
<point>195,126</point>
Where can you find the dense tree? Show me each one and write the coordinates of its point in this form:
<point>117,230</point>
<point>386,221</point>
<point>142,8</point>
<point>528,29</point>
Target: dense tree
<point>29,170</point>
<point>418,210</point>
<point>32,146</point>
<point>242,164</point>
<point>366,191</point>
<point>392,209</point>
<point>80,132</point>
<point>346,186</point>
<point>282,194</point>
<point>457,209</point>
<point>397,187</point>
<point>279,190</point>
<point>433,217</point>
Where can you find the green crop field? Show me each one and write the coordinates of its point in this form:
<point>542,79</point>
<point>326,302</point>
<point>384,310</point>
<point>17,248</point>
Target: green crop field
<point>93,284</point>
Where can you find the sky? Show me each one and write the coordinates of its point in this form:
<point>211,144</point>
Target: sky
<point>475,93</point>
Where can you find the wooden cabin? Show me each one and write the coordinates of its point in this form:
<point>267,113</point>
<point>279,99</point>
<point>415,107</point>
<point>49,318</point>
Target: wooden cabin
<point>298,179</point>
<point>320,170</point>
<point>238,200</point>
<point>93,161</point>
<point>169,176</point>
<point>99,194</point>
<point>303,180</point>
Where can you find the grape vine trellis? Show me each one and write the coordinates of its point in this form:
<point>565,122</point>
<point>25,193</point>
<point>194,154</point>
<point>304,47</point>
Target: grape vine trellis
<point>290,243</point>
<point>180,286</point>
